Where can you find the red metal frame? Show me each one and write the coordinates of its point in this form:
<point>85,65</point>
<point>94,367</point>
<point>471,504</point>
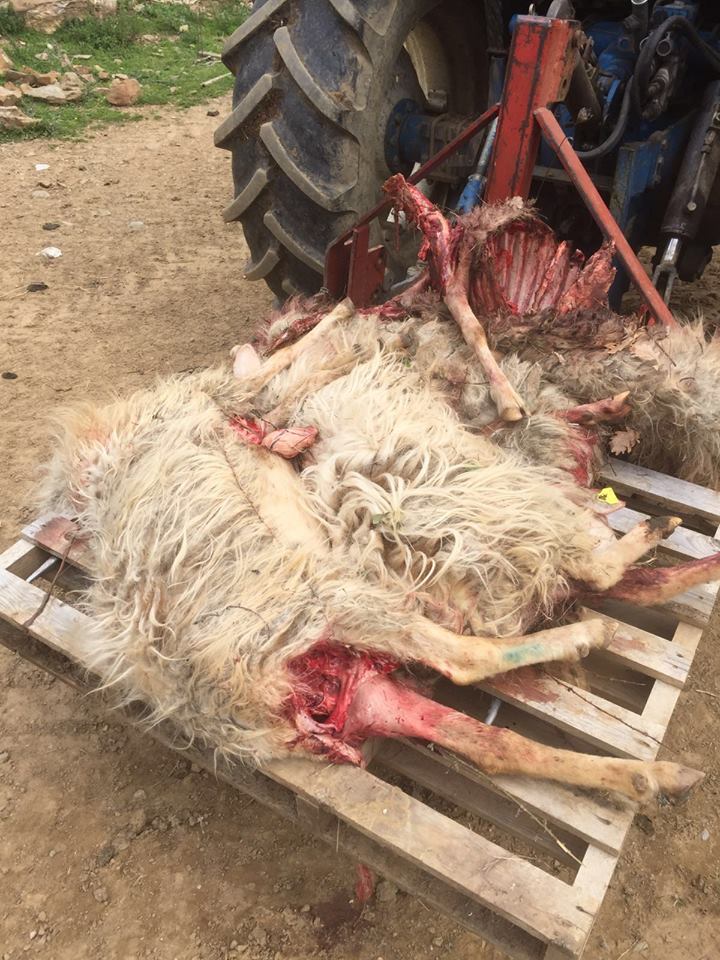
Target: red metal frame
<point>541,62</point>
<point>540,66</point>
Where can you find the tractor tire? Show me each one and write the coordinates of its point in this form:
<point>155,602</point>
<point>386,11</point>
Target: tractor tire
<point>315,83</point>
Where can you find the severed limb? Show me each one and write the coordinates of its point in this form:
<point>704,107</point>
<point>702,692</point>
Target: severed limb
<point>450,258</point>
<point>383,707</point>
<point>258,376</point>
<point>600,411</point>
<point>650,585</point>
<point>610,563</point>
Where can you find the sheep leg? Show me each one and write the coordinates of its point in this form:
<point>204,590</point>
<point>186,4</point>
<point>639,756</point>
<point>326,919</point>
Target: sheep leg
<point>284,358</point>
<point>507,400</point>
<point>601,411</point>
<point>383,707</point>
<point>467,659</point>
<point>610,563</point>
<point>650,585</point>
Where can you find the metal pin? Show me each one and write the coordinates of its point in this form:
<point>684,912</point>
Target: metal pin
<point>45,565</point>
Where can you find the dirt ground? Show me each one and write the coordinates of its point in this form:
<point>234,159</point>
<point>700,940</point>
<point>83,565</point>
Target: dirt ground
<point>109,846</point>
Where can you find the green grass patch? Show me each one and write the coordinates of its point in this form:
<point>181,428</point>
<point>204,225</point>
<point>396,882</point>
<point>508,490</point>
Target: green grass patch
<point>144,40</point>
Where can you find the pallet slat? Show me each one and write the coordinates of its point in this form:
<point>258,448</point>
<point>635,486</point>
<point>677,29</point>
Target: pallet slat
<point>578,712</point>
<point>669,492</point>
<point>600,821</point>
<point>55,534</point>
<point>648,654</point>
<point>682,544</point>
<point>423,767</point>
<point>539,903</point>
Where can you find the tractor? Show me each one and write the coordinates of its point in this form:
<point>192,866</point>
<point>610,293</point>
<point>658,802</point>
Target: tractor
<point>332,97</point>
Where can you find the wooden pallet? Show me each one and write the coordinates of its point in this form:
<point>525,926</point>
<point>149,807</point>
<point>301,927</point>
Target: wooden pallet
<point>524,864</point>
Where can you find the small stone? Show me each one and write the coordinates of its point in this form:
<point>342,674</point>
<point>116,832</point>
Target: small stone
<point>385,891</point>
<point>5,61</point>
<point>137,823</point>
<point>213,113</point>
<point>233,944</point>
<point>101,894</point>
<point>4,755</point>
<point>705,835</point>
<point>438,942</point>
<point>51,225</point>
<point>645,824</point>
<point>8,97</point>
<point>123,93</point>
<point>105,855</point>
<point>51,93</point>
<point>136,225</point>
<point>159,824</point>
<point>73,86</point>
<point>139,795</point>
<point>183,28</point>
<point>258,935</point>
<point>121,842</point>
<point>12,118</point>
<point>51,253</point>
<point>36,287</point>
<point>40,194</point>
<point>42,916</point>
<point>306,908</point>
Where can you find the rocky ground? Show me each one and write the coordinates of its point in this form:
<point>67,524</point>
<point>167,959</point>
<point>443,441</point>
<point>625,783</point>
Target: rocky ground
<point>109,846</point>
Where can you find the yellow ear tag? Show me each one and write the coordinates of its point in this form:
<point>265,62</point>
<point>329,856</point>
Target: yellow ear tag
<point>607,495</point>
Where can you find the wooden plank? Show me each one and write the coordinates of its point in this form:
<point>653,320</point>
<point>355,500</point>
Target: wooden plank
<point>600,820</point>
<point>669,492</point>
<point>539,903</point>
<point>59,625</point>
<point>682,544</point>
<point>55,534</point>
<point>648,654</point>
<point>664,697</point>
<point>423,767</point>
<point>603,822</point>
<point>579,712</point>
<point>22,558</point>
<point>594,877</point>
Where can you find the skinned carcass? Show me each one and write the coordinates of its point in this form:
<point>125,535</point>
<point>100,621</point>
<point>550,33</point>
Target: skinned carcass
<point>538,299</point>
<point>270,605</point>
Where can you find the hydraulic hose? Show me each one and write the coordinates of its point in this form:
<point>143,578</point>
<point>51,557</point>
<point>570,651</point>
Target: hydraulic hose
<point>641,77</point>
<point>638,83</point>
<point>618,131</point>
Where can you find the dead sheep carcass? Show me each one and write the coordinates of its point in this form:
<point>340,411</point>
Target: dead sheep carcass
<point>537,299</point>
<point>268,606</point>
